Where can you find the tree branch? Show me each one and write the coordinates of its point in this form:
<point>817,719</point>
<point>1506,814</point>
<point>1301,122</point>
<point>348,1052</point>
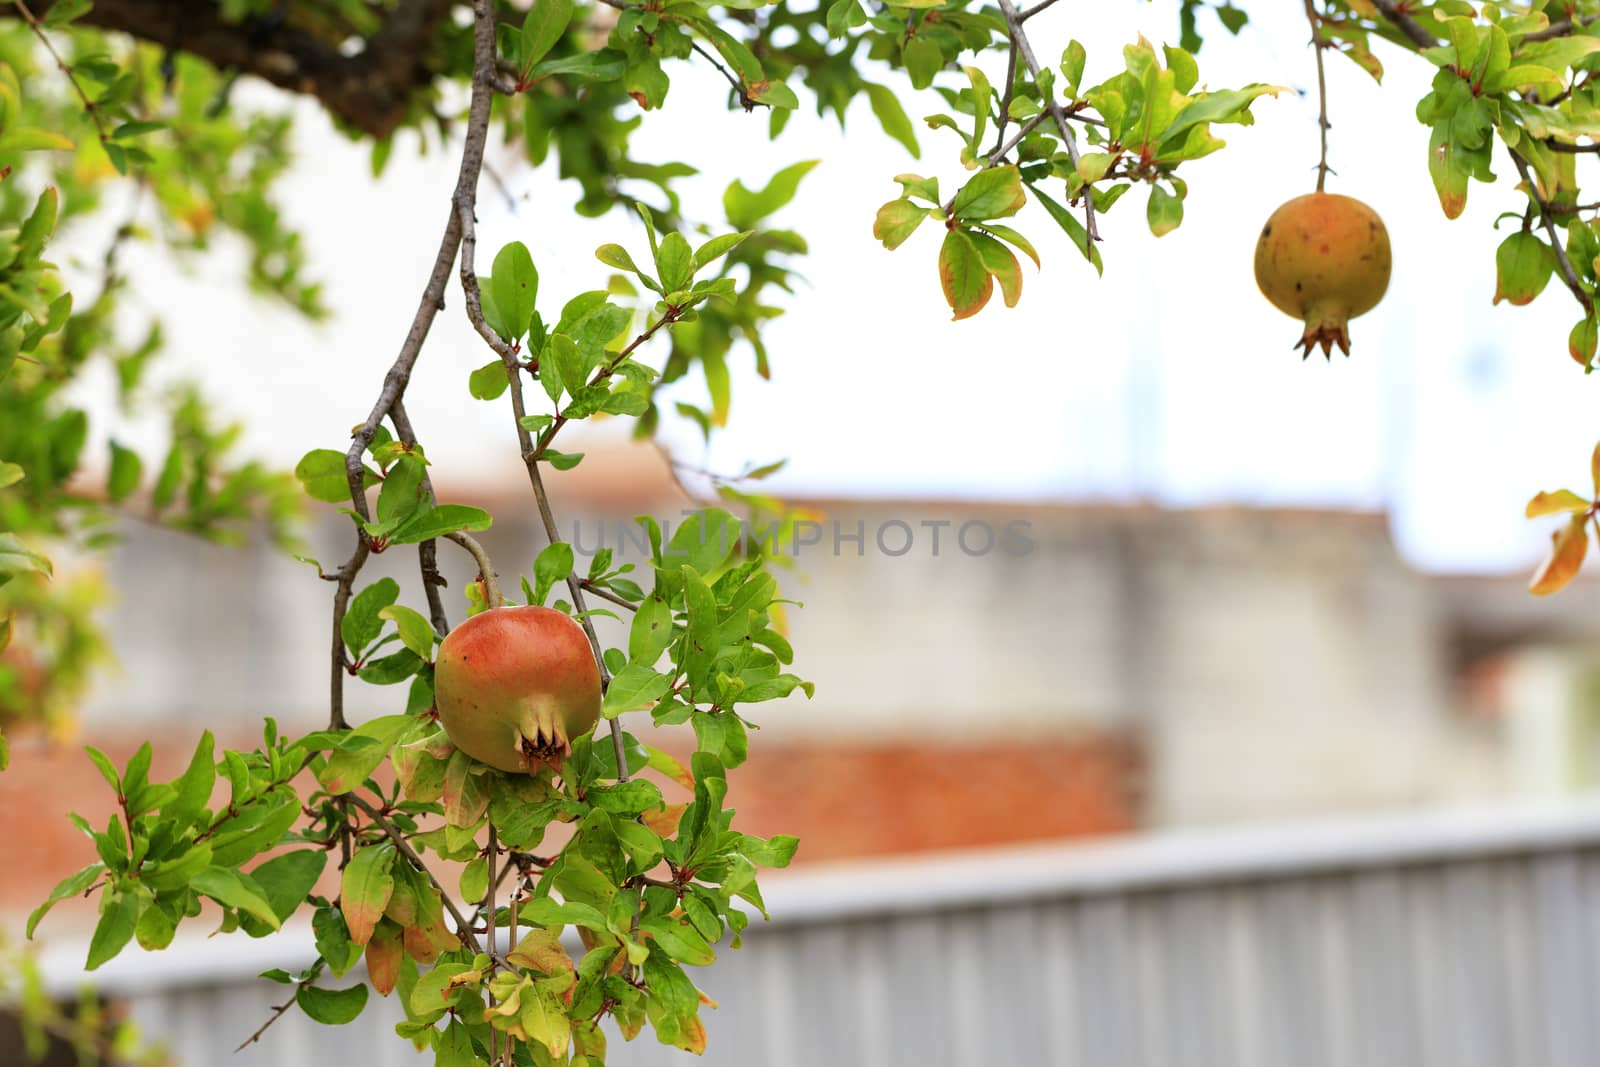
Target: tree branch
<point>1405,23</point>
<point>63,66</point>
<point>370,90</point>
<point>427,551</point>
<point>404,848</point>
<point>491,582</point>
<point>1020,37</point>
<point>1563,263</point>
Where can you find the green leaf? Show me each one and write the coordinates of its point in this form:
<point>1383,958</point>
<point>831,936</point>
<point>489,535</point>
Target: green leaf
<point>897,220</point>
<point>10,474</point>
<point>562,461</point>
<point>680,941</point>
<point>966,283</point>
<point>436,522</point>
<point>745,208</point>
<point>1012,237</point>
<point>416,632</point>
<point>193,789</point>
<point>33,139</point>
<point>362,622</point>
<point>1001,264</point>
<point>16,557</point>
<point>488,381</point>
<point>553,565</point>
<point>69,886</point>
<point>365,888</point>
<point>515,281</point>
<point>1523,265</point>
<point>604,65</point>
<point>922,59</point>
<point>236,890</point>
<point>636,686</point>
<point>702,643</point>
<point>361,750</point>
<point>107,769</point>
<point>1164,212</point>
<point>125,471</point>
<point>995,193</point>
<point>892,117</point>
<point>717,247</point>
<point>1072,61</point>
<point>402,493</point>
<point>1075,229</point>
<point>704,540</point>
<point>119,916</point>
<point>545,25</point>
<point>287,880</point>
<point>674,262</point>
<point>321,471</point>
<point>1228,105</point>
<point>651,631</point>
<point>335,1006</point>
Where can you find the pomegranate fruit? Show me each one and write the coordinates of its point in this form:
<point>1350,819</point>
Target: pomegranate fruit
<point>1323,258</point>
<point>514,685</point>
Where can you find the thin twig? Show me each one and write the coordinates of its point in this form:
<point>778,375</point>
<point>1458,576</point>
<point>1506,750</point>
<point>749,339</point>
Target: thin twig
<point>65,68</point>
<point>1005,99</point>
<point>606,594</point>
<point>491,582</point>
<point>427,551</point>
<point>601,375</point>
<point>1407,25</point>
<point>466,226</point>
<point>346,577</point>
<point>405,849</point>
<point>738,86</point>
<point>1014,26</point>
<point>277,1013</point>
<point>1558,146</point>
<point>1563,264</point>
<point>1318,43</point>
<point>488,910</point>
<point>1042,5</point>
<point>1022,131</point>
<point>1560,28</point>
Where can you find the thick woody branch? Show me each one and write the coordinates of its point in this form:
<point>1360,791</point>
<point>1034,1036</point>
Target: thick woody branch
<point>369,90</point>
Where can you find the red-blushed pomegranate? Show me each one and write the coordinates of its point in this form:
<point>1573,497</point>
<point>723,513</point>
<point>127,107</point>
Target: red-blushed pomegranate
<point>1323,258</point>
<point>515,685</point>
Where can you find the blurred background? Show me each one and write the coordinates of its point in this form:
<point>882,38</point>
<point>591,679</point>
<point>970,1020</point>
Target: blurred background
<point>1178,701</point>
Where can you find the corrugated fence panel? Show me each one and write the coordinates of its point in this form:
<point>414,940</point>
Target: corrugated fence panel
<point>1455,953</point>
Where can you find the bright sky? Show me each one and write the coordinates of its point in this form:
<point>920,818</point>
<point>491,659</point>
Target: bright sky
<point>1171,378</point>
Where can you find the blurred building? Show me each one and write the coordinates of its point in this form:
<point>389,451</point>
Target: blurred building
<point>986,673</point>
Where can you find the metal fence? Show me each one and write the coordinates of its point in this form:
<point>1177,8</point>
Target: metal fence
<point>1440,941</point>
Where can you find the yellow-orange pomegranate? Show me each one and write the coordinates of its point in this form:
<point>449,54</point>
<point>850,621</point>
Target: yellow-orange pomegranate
<point>1323,258</point>
<point>515,685</point>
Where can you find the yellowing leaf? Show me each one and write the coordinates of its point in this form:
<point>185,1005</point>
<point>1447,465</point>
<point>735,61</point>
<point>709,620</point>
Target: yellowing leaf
<point>384,953</point>
<point>966,282</point>
<point>1562,500</point>
<point>365,888</point>
<point>1567,548</point>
